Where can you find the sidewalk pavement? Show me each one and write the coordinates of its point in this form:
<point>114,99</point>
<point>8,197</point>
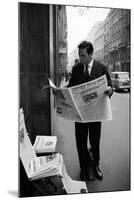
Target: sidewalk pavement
<point>114,155</point>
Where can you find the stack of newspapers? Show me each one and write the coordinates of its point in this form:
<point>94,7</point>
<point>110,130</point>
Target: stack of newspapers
<point>44,166</point>
<point>45,144</point>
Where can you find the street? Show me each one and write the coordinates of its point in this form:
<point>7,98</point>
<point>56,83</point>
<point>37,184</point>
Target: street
<point>115,147</point>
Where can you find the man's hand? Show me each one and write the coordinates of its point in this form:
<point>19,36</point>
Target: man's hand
<point>109,91</point>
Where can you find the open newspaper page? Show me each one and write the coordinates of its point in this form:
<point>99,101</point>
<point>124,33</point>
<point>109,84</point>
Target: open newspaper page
<point>65,104</point>
<point>91,101</point>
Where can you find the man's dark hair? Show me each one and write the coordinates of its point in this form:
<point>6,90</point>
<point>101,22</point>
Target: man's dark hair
<point>87,45</point>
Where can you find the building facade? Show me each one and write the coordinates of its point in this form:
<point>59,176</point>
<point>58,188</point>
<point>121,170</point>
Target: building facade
<point>106,42</point>
<point>99,43</point>
<point>92,33</point>
<point>112,40</point>
<point>124,45</point>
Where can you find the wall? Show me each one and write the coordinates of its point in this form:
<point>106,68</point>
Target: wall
<point>34,67</point>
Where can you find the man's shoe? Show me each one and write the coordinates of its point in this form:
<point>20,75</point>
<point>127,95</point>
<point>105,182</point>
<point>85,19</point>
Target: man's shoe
<point>83,175</point>
<point>98,173</point>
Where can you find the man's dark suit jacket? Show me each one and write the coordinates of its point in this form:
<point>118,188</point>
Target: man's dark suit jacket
<point>97,70</point>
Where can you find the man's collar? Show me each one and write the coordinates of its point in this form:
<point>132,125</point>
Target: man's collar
<point>91,63</point>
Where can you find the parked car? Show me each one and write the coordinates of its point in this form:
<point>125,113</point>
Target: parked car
<point>120,80</point>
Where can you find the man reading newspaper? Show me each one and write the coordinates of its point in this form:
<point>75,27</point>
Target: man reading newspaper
<point>86,70</point>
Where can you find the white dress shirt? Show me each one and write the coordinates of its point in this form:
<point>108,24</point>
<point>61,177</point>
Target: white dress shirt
<point>89,66</point>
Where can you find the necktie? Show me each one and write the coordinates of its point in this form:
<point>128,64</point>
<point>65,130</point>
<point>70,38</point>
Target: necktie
<point>86,73</point>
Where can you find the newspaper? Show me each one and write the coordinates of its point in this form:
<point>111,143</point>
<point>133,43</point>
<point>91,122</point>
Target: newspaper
<point>45,144</point>
<point>85,102</point>
<point>45,166</point>
<point>72,186</point>
<point>22,126</point>
<point>26,150</point>
<point>36,167</point>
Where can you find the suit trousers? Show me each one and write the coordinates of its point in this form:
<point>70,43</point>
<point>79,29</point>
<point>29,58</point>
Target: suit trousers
<point>81,134</point>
